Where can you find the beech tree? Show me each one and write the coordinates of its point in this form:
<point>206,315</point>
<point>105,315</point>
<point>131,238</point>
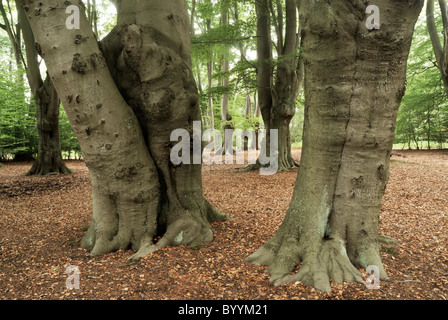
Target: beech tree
<point>355,73</point>
<point>124,96</point>
<point>440,46</point>
<point>49,156</point>
<point>279,83</point>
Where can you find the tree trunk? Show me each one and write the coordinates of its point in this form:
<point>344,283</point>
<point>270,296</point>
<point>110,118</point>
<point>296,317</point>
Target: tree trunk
<point>440,49</point>
<point>123,103</point>
<point>354,82</point>
<point>286,89</point>
<point>210,106</point>
<point>277,100</point>
<point>49,156</point>
<point>226,117</point>
<point>210,67</point>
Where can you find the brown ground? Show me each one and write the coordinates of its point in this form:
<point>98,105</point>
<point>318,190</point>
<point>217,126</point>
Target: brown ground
<point>41,222</point>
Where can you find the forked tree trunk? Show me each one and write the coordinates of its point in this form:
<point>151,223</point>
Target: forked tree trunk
<point>286,88</point>
<point>354,82</point>
<point>138,193</point>
<point>277,99</point>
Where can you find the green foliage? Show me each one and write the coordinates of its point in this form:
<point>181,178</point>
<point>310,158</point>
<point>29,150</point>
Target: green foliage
<point>423,116</point>
<point>296,127</point>
<point>69,142</point>
<point>17,118</point>
<point>213,42</point>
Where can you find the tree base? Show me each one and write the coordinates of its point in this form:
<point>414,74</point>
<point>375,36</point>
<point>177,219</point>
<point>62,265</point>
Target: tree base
<point>41,169</point>
<point>283,167</point>
<point>328,260</point>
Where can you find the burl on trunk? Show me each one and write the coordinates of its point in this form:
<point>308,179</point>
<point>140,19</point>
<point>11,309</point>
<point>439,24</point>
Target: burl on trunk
<point>123,98</point>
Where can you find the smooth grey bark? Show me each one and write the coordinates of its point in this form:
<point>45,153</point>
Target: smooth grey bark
<point>123,102</point>
<point>440,49</point>
<point>153,72</point>
<point>226,117</point>
<point>354,83</point>
<point>277,97</point>
<point>49,156</point>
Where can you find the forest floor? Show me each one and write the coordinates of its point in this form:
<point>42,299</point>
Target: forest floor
<point>42,220</point>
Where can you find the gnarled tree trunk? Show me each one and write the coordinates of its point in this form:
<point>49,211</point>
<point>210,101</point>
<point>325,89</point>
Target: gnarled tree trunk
<point>354,82</point>
<point>123,102</point>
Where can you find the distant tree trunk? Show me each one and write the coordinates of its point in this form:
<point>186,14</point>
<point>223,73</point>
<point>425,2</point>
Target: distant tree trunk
<point>210,66</point>
<point>286,88</point>
<point>277,99</point>
<point>210,111</point>
<point>354,83</point>
<point>247,115</point>
<point>226,117</point>
<point>49,156</point>
<point>92,16</point>
<point>440,50</point>
<point>123,102</point>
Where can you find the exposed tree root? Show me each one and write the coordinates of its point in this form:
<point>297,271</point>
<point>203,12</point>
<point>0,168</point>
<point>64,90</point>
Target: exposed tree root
<point>249,167</point>
<point>283,166</point>
<point>330,261</point>
<point>182,232</point>
<point>41,169</point>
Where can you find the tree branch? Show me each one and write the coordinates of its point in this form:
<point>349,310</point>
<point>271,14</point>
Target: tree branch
<point>432,30</point>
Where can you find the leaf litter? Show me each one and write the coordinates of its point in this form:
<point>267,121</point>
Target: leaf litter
<point>42,221</point>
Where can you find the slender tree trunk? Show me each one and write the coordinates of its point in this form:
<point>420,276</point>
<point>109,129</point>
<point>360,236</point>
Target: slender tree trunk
<point>49,156</point>
<point>144,70</point>
<point>226,117</point>
<point>210,66</point>
<point>247,115</point>
<point>440,49</point>
<point>354,82</point>
<point>210,111</point>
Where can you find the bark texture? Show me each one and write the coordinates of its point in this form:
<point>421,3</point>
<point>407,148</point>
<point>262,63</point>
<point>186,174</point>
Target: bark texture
<point>149,56</point>
<point>440,47</point>
<point>277,97</point>
<point>123,102</point>
<point>49,155</point>
<point>354,82</point>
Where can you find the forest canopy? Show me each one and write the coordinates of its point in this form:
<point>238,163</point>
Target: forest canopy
<point>422,120</point>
